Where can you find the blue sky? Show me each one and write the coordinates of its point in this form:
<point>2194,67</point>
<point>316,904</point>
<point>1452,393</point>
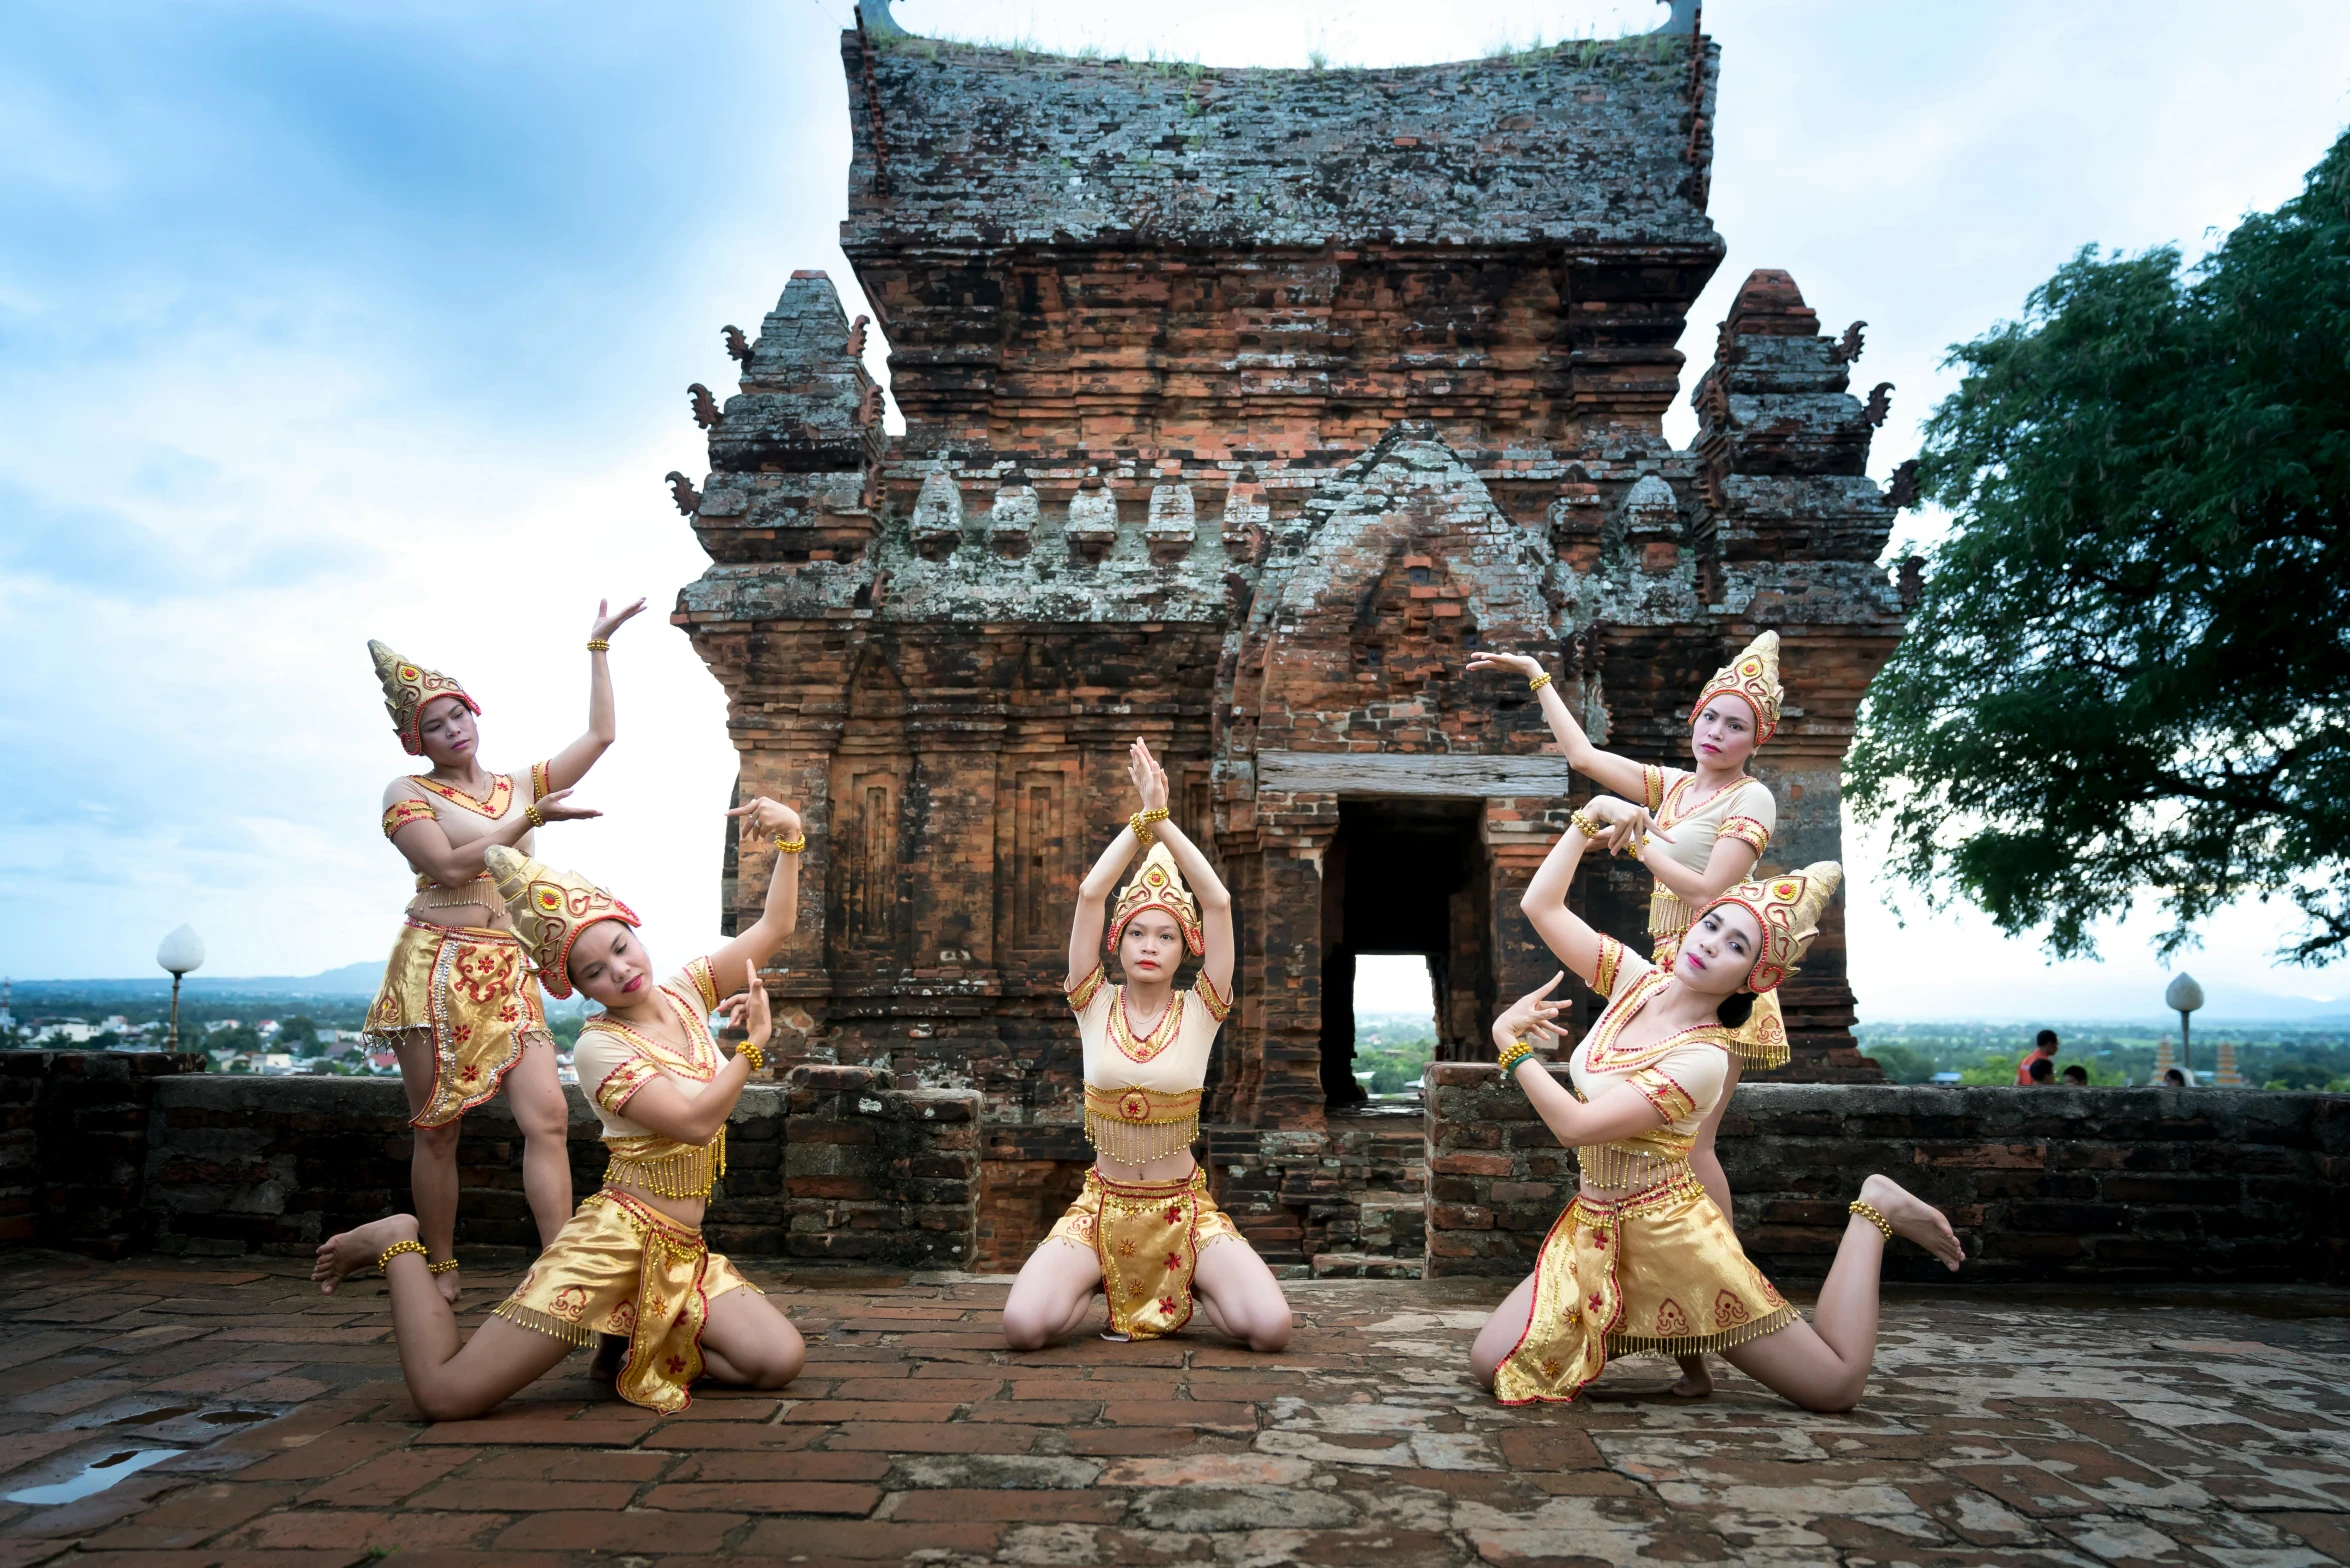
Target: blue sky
<point>313,320</point>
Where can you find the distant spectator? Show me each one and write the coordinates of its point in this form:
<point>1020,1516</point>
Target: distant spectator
<point>2172,1078</point>
<point>2040,1070</point>
<point>2077,1076</point>
<point>2043,1048</point>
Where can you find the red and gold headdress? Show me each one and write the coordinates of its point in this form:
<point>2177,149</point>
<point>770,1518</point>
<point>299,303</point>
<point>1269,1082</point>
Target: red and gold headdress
<point>1753,675</point>
<point>1158,885</point>
<point>407,688</point>
<point>550,909</point>
<point>1788,910</point>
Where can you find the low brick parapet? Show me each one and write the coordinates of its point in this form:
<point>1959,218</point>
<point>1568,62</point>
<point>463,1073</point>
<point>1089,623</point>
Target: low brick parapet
<point>2041,1184</point>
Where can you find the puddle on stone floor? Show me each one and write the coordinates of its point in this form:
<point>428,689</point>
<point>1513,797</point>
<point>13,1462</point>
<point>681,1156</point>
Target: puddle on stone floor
<point>95,1477</point>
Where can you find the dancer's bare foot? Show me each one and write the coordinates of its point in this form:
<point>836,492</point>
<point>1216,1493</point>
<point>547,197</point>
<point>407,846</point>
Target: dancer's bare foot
<point>340,1257</point>
<point>1913,1217</point>
<point>1696,1382</point>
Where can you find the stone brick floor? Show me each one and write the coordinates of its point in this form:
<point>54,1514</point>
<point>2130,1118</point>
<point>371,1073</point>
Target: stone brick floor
<point>254,1421</point>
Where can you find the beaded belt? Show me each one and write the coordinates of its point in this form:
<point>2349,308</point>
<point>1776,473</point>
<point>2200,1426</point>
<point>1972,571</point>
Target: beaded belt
<point>1136,1126</point>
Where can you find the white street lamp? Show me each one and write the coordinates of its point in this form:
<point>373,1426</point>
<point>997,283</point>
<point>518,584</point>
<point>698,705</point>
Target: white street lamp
<point>181,952</point>
<point>2182,998</point>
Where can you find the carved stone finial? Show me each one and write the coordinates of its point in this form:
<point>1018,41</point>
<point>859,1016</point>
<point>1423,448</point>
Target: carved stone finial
<point>855,348</point>
<point>1880,404</point>
<point>682,491</point>
<point>869,407</point>
<point>705,406</point>
<point>738,347</point>
<point>1902,491</point>
<point>1847,348</point>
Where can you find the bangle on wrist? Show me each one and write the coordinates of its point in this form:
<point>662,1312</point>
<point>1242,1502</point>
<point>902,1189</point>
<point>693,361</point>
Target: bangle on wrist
<point>1584,823</point>
<point>791,846</point>
<point>1536,683</point>
<point>534,816</point>
<point>1141,823</point>
<point>1518,1051</point>
<point>598,645</point>
<point>757,1056</point>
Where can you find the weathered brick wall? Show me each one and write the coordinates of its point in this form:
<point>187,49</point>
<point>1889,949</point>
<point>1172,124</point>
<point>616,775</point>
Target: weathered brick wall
<point>2060,1184</point>
<point>237,1163</point>
<point>1345,1198</point>
<point>73,1137</point>
<point>878,1174</point>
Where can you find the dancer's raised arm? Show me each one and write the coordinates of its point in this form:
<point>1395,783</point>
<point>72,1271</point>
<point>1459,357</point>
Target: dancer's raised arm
<point>425,845</point>
<point>771,826</point>
<point>1087,920</point>
<point>568,766</point>
<point>1545,900</point>
<point>1613,1113</point>
<point>1215,902</point>
<point>1605,768</point>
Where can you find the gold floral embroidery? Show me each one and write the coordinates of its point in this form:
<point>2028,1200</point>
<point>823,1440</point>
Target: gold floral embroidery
<point>700,1060</point>
<point>624,1081</point>
<point>1671,1100</point>
<point>501,794</point>
<point>1611,962</point>
<point>1746,830</point>
<point>1083,992</point>
<point>1600,1052</point>
<point>540,787</point>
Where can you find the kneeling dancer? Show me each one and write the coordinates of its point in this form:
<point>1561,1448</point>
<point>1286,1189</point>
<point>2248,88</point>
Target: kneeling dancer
<point>1643,1259</point>
<point>1144,1231</point>
<point>631,1263</point>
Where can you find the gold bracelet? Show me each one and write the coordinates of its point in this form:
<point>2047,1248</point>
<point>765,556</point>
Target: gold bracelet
<point>442,1267</point>
<point>598,645</point>
<point>1539,681</point>
<point>1517,1053</point>
<point>384,1258</point>
<point>757,1056</point>
<point>1141,822</point>
<point>1584,824</point>
<point>1871,1213</point>
<point>791,846</point>
<point>536,817</point>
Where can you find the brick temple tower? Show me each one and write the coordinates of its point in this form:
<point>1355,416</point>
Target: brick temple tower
<point>1241,407</point>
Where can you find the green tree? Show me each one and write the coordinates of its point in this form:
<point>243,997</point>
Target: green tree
<point>298,1036</point>
<point>2128,666</point>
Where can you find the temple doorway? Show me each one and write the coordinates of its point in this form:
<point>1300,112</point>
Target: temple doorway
<point>1403,877</point>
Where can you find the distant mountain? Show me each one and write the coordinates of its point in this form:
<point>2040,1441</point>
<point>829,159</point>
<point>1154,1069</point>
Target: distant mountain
<point>350,980</point>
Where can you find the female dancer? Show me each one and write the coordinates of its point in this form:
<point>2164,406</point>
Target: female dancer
<point>631,1263</point>
<point>458,1006</point>
<point>1144,1232</point>
<point>1698,833</point>
<point>1643,1258</point>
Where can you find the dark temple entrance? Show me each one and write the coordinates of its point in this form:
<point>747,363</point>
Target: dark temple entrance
<point>1404,876</point>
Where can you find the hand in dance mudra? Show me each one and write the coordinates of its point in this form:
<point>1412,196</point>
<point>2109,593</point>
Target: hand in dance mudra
<point>766,820</point>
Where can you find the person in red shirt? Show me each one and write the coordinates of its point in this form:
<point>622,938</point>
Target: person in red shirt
<point>2043,1050</point>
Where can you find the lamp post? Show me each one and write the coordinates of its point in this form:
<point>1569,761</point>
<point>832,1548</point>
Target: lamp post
<point>181,952</point>
<point>2183,997</point>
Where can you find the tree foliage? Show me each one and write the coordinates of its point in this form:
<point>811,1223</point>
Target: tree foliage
<point>2128,668</point>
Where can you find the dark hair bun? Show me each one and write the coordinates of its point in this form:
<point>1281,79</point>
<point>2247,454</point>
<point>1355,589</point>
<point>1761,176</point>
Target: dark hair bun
<point>1735,1009</point>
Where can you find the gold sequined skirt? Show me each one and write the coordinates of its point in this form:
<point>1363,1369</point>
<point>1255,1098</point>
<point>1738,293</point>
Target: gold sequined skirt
<point>470,990</point>
<point>1659,1271</point>
<point>620,1266</point>
<point>1148,1237</point>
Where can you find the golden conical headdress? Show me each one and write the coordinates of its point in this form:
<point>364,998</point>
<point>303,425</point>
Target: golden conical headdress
<point>550,909</point>
<point>1788,909</point>
<point>408,687</point>
<point>1753,675</point>
<point>1158,885</point>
